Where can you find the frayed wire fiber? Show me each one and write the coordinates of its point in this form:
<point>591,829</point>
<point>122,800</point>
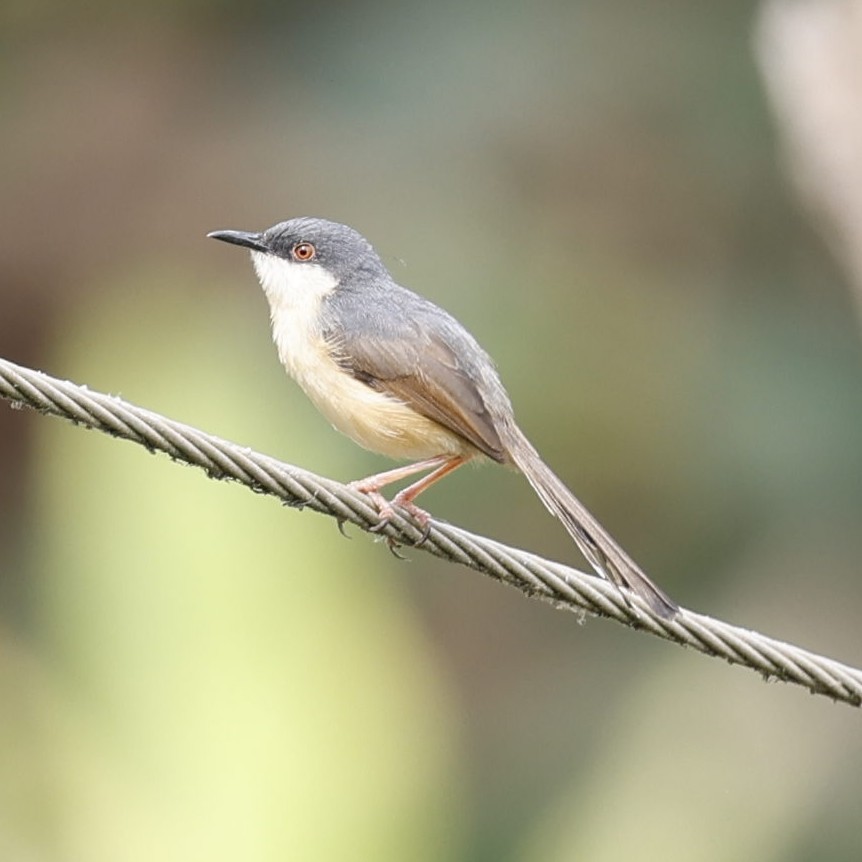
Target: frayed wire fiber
<point>563,587</point>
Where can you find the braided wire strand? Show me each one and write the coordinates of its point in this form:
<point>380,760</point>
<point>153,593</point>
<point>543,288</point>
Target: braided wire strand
<point>564,587</point>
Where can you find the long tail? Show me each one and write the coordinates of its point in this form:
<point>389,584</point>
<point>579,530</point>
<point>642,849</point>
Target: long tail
<point>601,551</point>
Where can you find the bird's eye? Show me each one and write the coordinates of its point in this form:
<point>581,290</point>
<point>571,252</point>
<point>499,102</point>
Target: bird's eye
<point>303,251</point>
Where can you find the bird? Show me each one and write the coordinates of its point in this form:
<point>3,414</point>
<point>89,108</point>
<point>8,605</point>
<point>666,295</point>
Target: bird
<point>403,378</point>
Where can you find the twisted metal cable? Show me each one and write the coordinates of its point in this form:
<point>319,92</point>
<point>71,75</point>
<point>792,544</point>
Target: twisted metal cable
<point>534,576</point>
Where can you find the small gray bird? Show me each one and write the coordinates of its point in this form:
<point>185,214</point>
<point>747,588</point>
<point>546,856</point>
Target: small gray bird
<point>403,378</point>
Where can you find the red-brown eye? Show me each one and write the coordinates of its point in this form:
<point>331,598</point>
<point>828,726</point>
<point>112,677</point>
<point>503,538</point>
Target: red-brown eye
<point>304,251</point>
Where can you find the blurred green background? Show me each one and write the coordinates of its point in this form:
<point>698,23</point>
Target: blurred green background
<point>188,671</point>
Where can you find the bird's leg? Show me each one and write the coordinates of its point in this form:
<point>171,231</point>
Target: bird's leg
<point>371,485</point>
<point>405,498</point>
<point>440,466</point>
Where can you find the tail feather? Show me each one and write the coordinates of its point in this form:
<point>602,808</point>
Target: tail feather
<point>600,550</point>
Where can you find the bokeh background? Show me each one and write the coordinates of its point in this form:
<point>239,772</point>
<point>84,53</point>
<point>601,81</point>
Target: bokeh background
<point>608,196</point>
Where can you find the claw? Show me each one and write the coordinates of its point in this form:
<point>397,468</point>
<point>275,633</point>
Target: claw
<point>419,515</point>
<point>381,524</point>
<point>393,549</point>
<point>426,532</point>
<point>383,506</point>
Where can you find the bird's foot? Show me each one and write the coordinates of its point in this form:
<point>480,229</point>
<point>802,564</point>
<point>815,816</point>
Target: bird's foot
<point>386,510</point>
<point>405,502</point>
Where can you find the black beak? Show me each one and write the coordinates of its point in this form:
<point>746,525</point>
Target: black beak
<point>254,241</point>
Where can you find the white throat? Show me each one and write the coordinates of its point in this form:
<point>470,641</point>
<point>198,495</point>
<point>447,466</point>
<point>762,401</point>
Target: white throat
<point>291,284</point>
<point>295,292</point>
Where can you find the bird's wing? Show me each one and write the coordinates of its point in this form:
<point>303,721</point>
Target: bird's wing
<point>418,366</point>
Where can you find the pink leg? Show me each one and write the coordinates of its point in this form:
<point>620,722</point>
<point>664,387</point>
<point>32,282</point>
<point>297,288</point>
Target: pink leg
<point>372,484</point>
<point>440,466</point>
<point>406,497</point>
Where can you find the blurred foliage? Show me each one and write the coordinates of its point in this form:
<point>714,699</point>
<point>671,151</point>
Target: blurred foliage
<point>189,671</point>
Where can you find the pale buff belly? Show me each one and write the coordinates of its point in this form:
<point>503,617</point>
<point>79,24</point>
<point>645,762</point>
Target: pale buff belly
<point>375,421</point>
<point>381,424</point>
